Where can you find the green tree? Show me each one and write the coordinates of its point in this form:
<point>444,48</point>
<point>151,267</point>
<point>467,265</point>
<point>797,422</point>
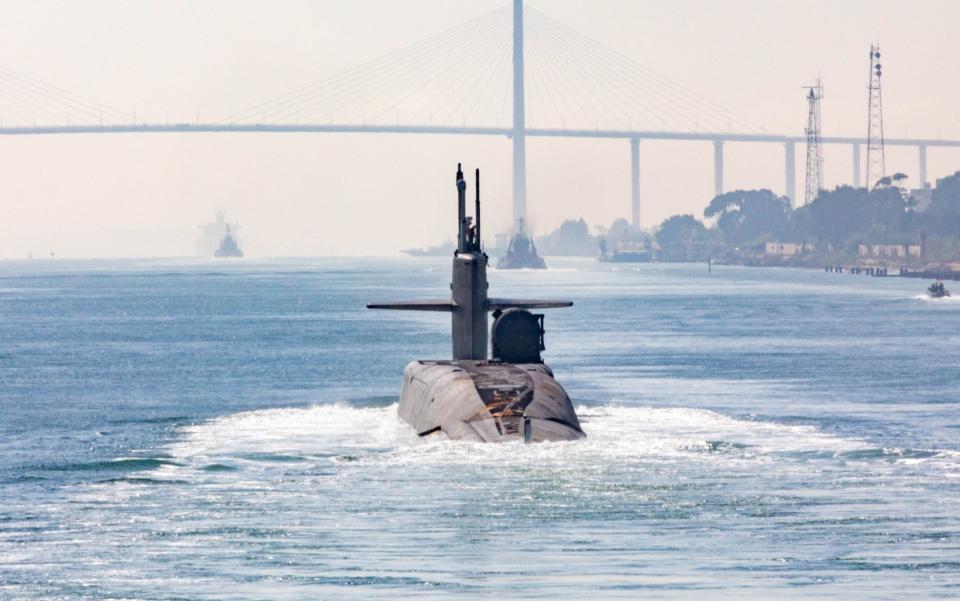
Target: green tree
<point>621,230</point>
<point>846,216</point>
<point>836,214</point>
<point>683,238</point>
<point>748,215</point>
<point>572,238</point>
<point>943,216</point>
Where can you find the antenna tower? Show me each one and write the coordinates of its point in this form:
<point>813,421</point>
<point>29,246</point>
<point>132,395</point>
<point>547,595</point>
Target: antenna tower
<point>876,166</point>
<point>814,154</point>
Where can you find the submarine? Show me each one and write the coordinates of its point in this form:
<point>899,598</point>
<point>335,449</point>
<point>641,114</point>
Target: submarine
<point>504,393</point>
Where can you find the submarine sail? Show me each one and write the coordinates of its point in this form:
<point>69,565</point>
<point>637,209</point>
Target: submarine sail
<point>509,394</point>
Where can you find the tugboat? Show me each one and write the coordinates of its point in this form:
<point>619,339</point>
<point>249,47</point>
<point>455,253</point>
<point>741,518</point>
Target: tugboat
<point>228,246</point>
<point>521,254</point>
<point>511,396</point>
<point>937,290</point>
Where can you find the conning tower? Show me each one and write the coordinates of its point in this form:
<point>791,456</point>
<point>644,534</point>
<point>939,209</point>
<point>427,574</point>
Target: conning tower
<point>469,286</point>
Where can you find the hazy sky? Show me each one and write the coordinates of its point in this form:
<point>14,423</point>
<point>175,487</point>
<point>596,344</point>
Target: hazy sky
<point>307,194</point>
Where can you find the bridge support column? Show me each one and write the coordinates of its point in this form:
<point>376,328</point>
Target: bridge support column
<point>856,165</point>
<point>923,165</point>
<point>635,182</point>
<point>717,167</point>
<point>519,126</point>
<point>790,175</point>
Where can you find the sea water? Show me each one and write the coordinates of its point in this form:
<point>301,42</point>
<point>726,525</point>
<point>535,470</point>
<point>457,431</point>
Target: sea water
<point>227,430</point>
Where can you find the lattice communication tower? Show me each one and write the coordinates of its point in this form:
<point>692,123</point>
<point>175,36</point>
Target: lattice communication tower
<point>876,166</point>
<point>814,181</point>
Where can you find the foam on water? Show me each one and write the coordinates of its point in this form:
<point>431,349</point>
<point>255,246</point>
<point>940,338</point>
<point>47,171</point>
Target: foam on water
<point>942,299</point>
<point>617,435</point>
<point>338,492</point>
<point>623,432</point>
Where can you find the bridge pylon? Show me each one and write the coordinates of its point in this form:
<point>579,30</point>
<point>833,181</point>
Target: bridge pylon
<point>519,120</point>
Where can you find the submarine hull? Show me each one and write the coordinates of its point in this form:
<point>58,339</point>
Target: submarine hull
<point>487,401</point>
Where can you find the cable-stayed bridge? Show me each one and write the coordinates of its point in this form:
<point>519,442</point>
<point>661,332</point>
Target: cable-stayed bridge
<point>513,72</point>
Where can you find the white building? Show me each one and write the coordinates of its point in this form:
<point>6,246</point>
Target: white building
<point>892,251</point>
<point>786,249</point>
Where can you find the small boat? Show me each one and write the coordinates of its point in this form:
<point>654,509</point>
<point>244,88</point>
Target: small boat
<point>937,290</point>
<point>228,246</point>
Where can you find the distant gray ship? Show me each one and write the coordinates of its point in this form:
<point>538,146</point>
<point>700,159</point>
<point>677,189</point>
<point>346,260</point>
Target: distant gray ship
<point>441,250</point>
<point>511,396</point>
<point>211,234</point>
<point>522,253</point>
<point>228,246</point>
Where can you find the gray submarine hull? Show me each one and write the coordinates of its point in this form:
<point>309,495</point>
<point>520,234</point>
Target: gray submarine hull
<point>487,401</point>
<point>494,392</point>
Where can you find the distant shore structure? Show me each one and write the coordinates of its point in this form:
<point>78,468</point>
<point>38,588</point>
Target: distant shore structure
<point>441,250</point>
<point>626,252</point>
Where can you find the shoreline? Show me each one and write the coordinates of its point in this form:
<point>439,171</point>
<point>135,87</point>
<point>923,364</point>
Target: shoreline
<point>930,270</point>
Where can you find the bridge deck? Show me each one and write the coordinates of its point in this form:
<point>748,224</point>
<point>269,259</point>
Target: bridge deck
<point>428,129</point>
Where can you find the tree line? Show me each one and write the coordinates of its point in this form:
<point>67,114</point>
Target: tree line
<point>836,222</point>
